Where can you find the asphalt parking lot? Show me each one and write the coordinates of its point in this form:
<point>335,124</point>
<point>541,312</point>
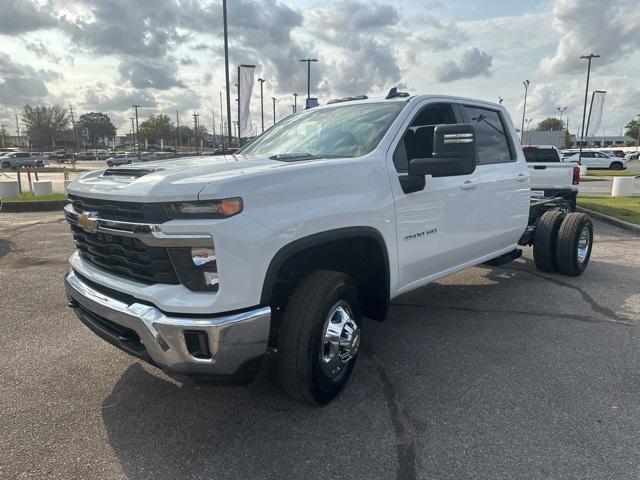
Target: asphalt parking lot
<point>490,373</point>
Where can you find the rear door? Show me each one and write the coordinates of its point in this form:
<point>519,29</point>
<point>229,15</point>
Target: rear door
<point>504,181</point>
<point>436,225</point>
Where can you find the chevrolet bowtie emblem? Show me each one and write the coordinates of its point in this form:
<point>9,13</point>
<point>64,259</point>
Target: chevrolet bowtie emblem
<point>88,221</point>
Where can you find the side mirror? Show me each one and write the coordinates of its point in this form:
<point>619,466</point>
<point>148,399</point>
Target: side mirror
<point>454,152</point>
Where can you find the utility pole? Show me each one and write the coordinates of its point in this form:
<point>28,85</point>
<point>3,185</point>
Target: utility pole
<point>18,131</point>
<point>293,109</point>
<point>179,132</point>
<point>524,109</point>
<point>4,143</point>
<point>274,109</point>
<point>295,102</point>
<point>235,128</point>
<point>226,66</point>
<point>261,80</point>
<point>308,62</point>
<point>73,125</point>
<point>195,126</point>
<point>589,57</point>
<point>135,107</point>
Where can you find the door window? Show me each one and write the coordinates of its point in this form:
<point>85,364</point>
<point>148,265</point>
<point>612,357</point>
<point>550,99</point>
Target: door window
<point>492,139</point>
<point>417,141</point>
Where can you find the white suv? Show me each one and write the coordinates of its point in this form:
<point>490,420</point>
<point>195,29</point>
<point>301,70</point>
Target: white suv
<point>595,159</point>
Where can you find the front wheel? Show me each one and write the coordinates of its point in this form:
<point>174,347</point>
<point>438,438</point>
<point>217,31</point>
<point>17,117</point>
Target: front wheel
<point>616,166</point>
<point>319,337</point>
<point>110,164</point>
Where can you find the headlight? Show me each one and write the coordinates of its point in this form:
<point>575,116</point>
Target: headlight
<point>225,208</point>
<point>197,268</point>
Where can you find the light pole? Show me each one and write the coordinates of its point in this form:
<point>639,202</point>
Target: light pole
<point>133,132</point>
<point>293,109</point>
<point>226,66</point>
<point>3,140</point>
<point>308,61</point>
<point>136,107</point>
<point>586,96</point>
<point>195,128</point>
<point>562,110</point>
<point>295,102</point>
<point>178,131</point>
<point>524,108</point>
<point>261,80</point>
<point>274,109</point>
<point>528,122</point>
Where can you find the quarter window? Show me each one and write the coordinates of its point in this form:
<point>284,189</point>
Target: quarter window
<point>491,135</point>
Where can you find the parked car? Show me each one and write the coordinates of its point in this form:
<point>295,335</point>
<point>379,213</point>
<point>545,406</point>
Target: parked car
<point>614,153</point>
<point>203,264</point>
<point>120,159</point>
<point>595,159</point>
<point>550,176</point>
<point>632,155</point>
<point>15,160</point>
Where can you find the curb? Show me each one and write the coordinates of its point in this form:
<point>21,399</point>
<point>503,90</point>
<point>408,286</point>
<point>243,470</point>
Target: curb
<point>631,227</point>
<point>34,206</point>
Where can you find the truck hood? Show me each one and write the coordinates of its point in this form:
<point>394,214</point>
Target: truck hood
<point>168,180</point>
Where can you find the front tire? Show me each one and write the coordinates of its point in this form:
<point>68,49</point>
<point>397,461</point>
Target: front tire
<point>319,337</point>
<point>616,166</point>
<point>574,244</point>
<point>110,164</point>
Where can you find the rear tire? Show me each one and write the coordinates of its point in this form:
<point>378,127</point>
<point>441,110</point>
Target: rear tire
<point>319,337</point>
<point>574,244</point>
<point>616,166</point>
<point>544,242</point>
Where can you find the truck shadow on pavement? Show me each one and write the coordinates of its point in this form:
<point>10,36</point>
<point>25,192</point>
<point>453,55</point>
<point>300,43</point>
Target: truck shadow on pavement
<point>478,348</point>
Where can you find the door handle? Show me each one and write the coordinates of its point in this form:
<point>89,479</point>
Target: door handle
<point>468,184</point>
<point>522,177</point>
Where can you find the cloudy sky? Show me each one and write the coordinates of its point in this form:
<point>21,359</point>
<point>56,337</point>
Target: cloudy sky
<point>105,55</point>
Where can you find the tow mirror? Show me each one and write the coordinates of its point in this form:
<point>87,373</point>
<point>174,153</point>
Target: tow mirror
<point>454,152</point>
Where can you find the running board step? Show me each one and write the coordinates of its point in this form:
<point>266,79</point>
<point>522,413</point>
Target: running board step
<point>506,258</point>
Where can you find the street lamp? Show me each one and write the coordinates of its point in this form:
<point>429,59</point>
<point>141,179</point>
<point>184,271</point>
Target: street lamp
<point>274,109</point>
<point>261,80</point>
<point>524,108</point>
<point>528,122</point>
<point>295,102</point>
<point>308,61</point>
<point>586,96</point>
<point>562,110</point>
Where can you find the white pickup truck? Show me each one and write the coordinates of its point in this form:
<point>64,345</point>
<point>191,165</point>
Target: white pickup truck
<point>202,265</point>
<point>550,177</point>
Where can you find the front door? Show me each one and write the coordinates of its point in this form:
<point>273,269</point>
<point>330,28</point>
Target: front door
<point>435,225</point>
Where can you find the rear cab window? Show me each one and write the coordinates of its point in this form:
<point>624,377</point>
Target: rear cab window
<point>536,154</point>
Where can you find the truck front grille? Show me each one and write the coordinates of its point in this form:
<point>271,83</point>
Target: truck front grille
<point>126,257</point>
<point>121,211</point>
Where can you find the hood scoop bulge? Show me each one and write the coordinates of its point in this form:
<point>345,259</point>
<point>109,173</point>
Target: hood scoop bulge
<point>129,172</point>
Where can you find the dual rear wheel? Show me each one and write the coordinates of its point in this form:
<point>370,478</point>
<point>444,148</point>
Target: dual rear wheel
<point>563,243</point>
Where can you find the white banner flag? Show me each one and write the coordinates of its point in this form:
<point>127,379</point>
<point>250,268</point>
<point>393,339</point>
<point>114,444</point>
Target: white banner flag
<point>595,112</point>
<point>246,74</point>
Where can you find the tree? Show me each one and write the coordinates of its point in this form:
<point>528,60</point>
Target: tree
<point>551,124</point>
<point>632,128</point>
<point>44,124</point>
<point>98,126</point>
<point>155,128</point>
<point>186,134</point>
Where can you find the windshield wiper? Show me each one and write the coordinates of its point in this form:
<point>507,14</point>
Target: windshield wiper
<point>290,156</point>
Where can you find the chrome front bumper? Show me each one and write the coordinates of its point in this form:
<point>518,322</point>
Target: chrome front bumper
<point>236,341</point>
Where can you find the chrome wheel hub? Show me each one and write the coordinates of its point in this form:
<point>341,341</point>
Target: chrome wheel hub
<point>340,340</point>
<point>583,244</point>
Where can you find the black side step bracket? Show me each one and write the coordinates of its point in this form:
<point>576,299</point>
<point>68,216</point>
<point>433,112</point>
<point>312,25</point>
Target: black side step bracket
<point>506,258</point>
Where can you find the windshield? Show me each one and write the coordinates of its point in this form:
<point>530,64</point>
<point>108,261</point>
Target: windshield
<point>343,131</point>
